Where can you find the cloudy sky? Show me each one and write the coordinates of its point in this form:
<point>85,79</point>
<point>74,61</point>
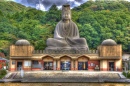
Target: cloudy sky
<point>46,4</point>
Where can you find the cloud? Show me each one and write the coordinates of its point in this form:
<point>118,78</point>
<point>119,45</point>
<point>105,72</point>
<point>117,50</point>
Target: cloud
<point>46,4</point>
<point>80,0</point>
<point>40,7</point>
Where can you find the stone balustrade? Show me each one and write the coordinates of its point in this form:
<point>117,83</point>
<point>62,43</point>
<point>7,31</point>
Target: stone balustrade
<point>65,52</point>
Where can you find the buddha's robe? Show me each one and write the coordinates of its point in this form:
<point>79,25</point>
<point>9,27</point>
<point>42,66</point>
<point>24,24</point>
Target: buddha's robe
<point>66,35</point>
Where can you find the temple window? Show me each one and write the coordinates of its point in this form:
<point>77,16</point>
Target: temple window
<point>35,64</point>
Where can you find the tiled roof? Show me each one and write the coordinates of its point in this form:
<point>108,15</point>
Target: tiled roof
<point>3,59</point>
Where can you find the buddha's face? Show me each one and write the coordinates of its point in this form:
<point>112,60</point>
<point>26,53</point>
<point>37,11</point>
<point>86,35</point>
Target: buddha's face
<point>66,15</point>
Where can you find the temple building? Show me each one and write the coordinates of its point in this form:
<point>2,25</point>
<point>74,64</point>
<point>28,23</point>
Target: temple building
<point>66,51</point>
<point>108,57</point>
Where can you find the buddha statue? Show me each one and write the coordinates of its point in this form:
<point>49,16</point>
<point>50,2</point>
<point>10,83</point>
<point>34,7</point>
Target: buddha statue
<point>66,34</point>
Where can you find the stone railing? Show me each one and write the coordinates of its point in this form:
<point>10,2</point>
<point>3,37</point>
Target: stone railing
<point>65,52</point>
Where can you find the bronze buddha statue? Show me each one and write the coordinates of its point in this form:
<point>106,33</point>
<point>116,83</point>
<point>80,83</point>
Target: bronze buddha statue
<point>66,34</point>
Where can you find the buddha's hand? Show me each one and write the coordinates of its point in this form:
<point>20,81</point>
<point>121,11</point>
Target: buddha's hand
<point>61,38</point>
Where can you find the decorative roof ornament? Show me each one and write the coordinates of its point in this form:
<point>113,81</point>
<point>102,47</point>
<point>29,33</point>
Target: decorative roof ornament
<point>22,42</point>
<point>109,42</point>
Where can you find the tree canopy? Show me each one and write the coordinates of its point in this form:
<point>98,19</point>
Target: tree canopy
<point>96,21</point>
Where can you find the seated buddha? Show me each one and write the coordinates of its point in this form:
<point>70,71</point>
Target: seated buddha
<point>66,34</point>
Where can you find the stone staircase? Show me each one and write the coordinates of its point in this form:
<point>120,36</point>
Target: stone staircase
<point>64,76</point>
<point>51,75</point>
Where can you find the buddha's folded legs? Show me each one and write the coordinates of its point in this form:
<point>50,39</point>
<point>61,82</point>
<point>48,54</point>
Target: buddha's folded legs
<point>51,42</point>
<point>78,42</point>
<point>69,42</point>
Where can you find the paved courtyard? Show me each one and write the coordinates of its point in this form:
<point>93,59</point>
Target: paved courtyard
<point>66,76</point>
<point>45,75</point>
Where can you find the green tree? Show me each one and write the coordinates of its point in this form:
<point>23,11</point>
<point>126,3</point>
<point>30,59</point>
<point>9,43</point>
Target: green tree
<point>91,35</point>
<point>53,15</point>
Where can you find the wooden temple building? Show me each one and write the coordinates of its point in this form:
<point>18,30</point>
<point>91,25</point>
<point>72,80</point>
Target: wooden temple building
<point>108,57</point>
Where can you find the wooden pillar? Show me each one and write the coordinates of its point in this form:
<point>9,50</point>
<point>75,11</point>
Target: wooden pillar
<point>76,64</point>
<point>58,65</point>
<point>42,64</point>
<point>72,65</point>
<point>13,65</point>
<point>54,65</point>
<point>103,65</point>
<point>118,64</point>
<point>84,66</point>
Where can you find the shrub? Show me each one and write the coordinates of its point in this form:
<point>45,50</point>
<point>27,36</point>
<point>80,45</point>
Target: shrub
<point>3,72</point>
<point>128,74</point>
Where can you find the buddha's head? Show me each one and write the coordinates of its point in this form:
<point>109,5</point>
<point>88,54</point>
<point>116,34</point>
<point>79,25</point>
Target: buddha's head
<point>66,13</point>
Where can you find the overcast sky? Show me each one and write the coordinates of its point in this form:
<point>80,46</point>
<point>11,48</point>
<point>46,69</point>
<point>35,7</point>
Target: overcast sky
<point>46,4</point>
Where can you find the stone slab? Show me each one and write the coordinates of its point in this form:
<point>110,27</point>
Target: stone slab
<point>66,81</point>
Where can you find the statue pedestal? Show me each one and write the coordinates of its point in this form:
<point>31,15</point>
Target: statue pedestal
<point>63,50</point>
<point>66,48</point>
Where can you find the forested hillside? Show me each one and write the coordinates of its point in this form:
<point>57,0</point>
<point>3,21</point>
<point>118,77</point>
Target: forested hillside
<point>96,21</point>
